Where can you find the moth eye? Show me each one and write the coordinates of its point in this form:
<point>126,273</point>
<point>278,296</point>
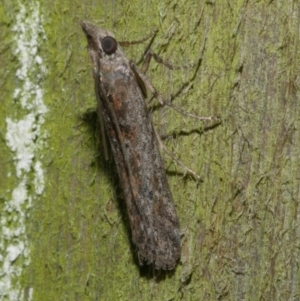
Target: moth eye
<point>109,45</point>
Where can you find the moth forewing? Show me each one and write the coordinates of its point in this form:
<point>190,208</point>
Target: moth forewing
<point>150,207</point>
<point>100,117</point>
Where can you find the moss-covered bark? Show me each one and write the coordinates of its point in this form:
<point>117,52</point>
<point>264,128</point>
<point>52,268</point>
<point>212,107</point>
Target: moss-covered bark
<point>240,225</point>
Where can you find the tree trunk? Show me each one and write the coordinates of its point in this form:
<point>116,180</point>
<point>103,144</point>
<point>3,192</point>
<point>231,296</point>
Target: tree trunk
<point>65,233</point>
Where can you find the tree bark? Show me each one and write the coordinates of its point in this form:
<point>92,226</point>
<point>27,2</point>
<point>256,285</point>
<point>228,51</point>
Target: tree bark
<point>66,235</point>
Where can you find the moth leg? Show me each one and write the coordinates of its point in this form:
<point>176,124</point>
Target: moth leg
<point>142,77</point>
<point>147,83</point>
<point>144,81</point>
<point>148,54</point>
<point>151,35</point>
<point>172,155</point>
<point>129,43</point>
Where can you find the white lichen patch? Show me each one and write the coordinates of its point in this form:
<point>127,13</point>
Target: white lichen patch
<point>24,137</point>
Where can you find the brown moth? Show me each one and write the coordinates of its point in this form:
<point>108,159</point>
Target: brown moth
<point>121,108</point>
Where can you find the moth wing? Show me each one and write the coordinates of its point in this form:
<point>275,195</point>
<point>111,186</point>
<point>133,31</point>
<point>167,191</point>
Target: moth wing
<point>100,116</point>
<point>139,81</point>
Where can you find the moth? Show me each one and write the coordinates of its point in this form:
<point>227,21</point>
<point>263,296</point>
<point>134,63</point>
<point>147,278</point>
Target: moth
<point>123,115</point>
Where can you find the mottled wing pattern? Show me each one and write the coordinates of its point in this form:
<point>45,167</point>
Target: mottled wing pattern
<point>151,211</point>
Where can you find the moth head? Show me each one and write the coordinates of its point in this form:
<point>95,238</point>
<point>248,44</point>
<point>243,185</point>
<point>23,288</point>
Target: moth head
<point>99,39</point>
<point>101,42</point>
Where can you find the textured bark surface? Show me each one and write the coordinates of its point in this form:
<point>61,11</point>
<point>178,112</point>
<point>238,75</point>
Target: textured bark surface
<point>240,226</point>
